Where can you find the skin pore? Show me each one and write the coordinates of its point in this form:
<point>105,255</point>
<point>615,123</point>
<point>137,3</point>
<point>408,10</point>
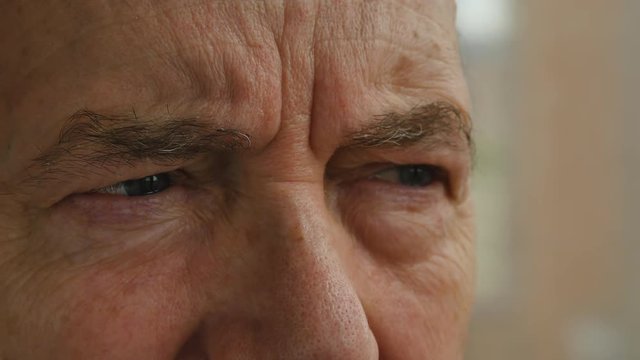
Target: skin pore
<point>233,180</point>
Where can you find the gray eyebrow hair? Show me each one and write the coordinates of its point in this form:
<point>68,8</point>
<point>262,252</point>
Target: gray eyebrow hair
<point>435,124</point>
<point>92,139</point>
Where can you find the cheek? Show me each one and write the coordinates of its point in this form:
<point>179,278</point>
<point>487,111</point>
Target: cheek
<point>415,272</point>
<point>404,230</point>
<point>418,309</point>
<point>408,328</point>
<point>109,306</point>
<point>100,301</point>
<point>398,237</point>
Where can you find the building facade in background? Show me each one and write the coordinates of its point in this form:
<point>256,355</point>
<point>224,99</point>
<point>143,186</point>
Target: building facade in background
<point>554,85</point>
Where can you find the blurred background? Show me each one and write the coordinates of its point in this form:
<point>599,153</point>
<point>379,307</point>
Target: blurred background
<point>555,90</point>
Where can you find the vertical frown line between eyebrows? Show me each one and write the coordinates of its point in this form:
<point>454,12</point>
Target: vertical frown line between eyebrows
<point>92,139</point>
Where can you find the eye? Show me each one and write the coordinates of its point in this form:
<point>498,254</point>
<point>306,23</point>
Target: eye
<point>147,185</point>
<point>409,175</point>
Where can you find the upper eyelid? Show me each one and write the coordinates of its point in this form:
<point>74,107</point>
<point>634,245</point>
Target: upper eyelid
<point>107,140</point>
<point>173,176</point>
<point>453,167</point>
<point>370,170</point>
<point>440,174</point>
<point>181,176</point>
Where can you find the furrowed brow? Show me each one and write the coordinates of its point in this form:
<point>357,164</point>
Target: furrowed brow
<point>93,140</point>
<point>434,125</point>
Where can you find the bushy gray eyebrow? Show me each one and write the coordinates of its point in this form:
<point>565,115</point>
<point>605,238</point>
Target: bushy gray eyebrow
<point>92,140</point>
<point>436,124</point>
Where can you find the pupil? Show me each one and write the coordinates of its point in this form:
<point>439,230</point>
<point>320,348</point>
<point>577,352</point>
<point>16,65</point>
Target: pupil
<point>415,175</point>
<point>147,186</point>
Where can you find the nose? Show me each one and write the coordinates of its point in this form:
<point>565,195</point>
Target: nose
<point>305,306</point>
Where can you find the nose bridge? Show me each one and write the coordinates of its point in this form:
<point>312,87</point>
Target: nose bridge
<point>313,309</point>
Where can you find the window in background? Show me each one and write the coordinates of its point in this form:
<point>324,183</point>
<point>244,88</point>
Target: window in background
<point>486,39</point>
<point>485,29</point>
<point>554,88</point>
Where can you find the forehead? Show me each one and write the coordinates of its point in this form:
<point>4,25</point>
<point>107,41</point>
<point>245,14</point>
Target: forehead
<point>71,54</point>
<point>93,36</point>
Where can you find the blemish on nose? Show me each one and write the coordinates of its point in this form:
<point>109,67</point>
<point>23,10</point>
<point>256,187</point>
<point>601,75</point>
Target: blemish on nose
<point>296,234</point>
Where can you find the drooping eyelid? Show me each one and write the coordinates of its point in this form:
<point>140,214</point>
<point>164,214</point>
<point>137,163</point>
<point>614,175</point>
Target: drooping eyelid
<point>453,168</point>
<point>438,173</point>
<point>440,177</point>
<point>48,192</point>
<point>370,160</point>
<point>442,157</point>
<point>118,189</point>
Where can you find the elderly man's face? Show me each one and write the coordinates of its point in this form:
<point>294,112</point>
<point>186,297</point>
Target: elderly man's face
<point>233,180</point>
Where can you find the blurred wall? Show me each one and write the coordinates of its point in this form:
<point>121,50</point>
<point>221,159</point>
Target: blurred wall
<point>556,97</point>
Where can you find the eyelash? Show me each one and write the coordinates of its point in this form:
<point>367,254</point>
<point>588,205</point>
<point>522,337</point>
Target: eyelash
<point>148,185</point>
<point>412,176</point>
<point>409,176</point>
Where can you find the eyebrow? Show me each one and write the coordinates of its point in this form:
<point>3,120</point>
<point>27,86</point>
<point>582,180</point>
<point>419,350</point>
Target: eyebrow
<point>433,125</point>
<point>96,141</point>
<point>90,139</point>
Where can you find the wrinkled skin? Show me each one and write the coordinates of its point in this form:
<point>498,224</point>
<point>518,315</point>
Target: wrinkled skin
<point>285,249</point>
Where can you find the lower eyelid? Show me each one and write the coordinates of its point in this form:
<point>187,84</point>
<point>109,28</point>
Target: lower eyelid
<point>96,207</point>
<point>374,190</point>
